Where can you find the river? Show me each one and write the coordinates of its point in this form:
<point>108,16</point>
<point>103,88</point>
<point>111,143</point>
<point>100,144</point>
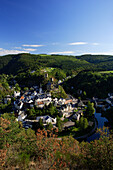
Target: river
<point>101,123</point>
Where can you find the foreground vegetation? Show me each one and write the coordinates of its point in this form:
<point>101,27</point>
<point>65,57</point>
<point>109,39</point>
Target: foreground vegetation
<point>23,149</point>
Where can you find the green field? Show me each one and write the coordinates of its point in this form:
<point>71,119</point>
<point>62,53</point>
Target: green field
<point>48,69</point>
<point>106,72</point>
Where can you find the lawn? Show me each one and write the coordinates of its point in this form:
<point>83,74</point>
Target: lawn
<point>48,69</point>
<point>106,72</point>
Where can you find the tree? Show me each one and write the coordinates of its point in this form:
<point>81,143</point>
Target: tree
<point>90,109</point>
<point>17,88</point>
<point>49,126</point>
<point>82,123</point>
<point>40,124</point>
<point>62,93</point>
<point>84,95</point>
<point>85,123</point>
<point>26,89</point>
<point>5,85</point>
<point>9,116</point>
<point>59,124</point>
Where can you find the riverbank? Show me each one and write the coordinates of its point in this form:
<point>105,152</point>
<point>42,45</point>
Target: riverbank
<point>80,134</point>
<point>90,133</point>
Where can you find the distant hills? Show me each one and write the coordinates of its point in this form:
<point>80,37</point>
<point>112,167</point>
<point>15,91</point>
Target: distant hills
<point>14,64</point>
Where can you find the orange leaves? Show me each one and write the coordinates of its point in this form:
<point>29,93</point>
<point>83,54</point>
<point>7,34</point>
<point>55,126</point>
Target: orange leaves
<point>46,150</point>
<point>4,123</point>
<point>58,150</point>
<point>7,145</point>
<point>2,157</point>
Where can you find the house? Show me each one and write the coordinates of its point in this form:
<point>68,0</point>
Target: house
<point>21,117</point>
<point>22,98</point>
<point>65,114</point>
<point>59,82</point>
<point>80,104</point>
<point>68,101</point>
<point>29,103</point>
<point>18,104</point>
<point>48,94</point>
<point>66,110</point>
<point>66,107</point>
<point>55,102</point>
<point>61,101</point>
<point>109,101</point>
<point>34,93</point>
<point>39,104</point>
<point>47,119</point>
<point>16,93</point>
<point>20,112</point>
<point>76,116</point>
<point>110,95</point>
<point>42,100</point>
<point>69,124</point>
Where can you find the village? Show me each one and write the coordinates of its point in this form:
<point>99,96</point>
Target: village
<point>69,109</point>
<point>38,98</point>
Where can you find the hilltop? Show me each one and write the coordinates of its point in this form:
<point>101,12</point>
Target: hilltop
<point>14,64</point>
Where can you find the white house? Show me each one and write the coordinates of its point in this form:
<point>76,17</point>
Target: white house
<point>65,114</point>
<point>16,93</point>
<point>18,104</point>
<point>21,117</point>
<point>34,93</point>
<point>61,101</point>
<point>59,81</point>
<point>47,119</point>
<point>40,102</point>
<point>76,116</point>
<point>108,101</point>
<point>110,95</point>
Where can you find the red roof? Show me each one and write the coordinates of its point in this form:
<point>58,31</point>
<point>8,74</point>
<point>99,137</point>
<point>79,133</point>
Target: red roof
<point>22,97</point>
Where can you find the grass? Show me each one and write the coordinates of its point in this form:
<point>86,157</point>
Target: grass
<point>106,72</point>
<point>48,69</point>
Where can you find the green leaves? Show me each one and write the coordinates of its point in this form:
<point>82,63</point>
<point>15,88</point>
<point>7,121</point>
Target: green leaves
<point>90,109</point>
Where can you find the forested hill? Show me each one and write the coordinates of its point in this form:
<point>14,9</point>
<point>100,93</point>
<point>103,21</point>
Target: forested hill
<point>101,62</point>
<point>96,58</point>
<point>14,64</point>
<point>22,62</point>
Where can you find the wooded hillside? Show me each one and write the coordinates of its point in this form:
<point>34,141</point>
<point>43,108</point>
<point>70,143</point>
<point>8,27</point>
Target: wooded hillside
<point>14,64</point>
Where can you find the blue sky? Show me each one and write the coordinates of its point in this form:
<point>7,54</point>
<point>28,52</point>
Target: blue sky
<point>72,27</point>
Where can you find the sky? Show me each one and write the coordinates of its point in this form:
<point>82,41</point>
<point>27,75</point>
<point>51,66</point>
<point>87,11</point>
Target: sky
<point>67,27</point>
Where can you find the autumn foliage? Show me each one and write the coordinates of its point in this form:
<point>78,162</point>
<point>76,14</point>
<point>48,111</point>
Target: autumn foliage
<point>23,149</point>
